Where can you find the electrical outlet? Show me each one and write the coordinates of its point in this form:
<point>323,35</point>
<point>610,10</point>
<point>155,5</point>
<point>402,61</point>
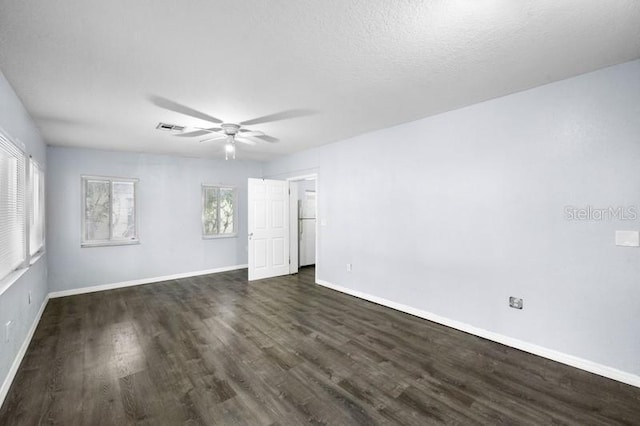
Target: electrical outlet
<point>348,267</point>
<point>515,302</point>
<point>7,331</point>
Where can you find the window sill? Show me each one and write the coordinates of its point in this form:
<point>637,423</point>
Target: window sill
<point>109,243</point>
<point>10,279</point>
<point>36,257</point>
<point>215,237</point>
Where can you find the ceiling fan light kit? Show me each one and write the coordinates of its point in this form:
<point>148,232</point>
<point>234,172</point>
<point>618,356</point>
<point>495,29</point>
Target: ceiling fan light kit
<point>230,148</point>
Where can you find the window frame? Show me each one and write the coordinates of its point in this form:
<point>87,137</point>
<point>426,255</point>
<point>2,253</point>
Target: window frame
<point>84,243</point>
<point>28,259</point>
<point>12,275</point>
<point>42,204</point>
<point>218,186</point>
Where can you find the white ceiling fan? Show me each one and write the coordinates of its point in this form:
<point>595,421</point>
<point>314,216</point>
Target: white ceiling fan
<point>231,132</point>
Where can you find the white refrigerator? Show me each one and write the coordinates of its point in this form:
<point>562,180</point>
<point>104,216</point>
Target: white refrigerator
<point>307,229</point>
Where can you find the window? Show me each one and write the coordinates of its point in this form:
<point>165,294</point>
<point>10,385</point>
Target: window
<point>108,211</point>
<point>36,210</point>
<point>218,211</point>
<point>12,207</point>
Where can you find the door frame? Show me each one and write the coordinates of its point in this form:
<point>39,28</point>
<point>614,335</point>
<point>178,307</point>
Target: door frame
<point>315,177</point>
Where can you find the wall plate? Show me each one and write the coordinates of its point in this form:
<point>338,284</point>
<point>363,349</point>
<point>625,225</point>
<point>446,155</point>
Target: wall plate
<point>515,302</point>
<point>628,238</point>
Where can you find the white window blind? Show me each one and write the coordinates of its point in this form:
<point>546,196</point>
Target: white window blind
<point>12,207</point>
<point>36,211</point>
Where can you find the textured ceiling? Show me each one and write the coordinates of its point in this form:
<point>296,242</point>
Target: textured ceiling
<point>87,70</point>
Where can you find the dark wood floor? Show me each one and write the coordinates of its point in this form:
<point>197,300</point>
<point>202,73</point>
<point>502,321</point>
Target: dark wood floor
<point>219,350</point>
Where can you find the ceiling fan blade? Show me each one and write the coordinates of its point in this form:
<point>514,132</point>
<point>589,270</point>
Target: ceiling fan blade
<point>245,140</point>
<point>221,137</point>
<point>181,109</point>
<point>267,138</point>
<point>251,132</point>
<point>200,132</point>
<point>284,115</point>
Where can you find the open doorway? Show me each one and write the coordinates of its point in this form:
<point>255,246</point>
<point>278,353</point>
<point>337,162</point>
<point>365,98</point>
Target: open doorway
<point>303,227</point>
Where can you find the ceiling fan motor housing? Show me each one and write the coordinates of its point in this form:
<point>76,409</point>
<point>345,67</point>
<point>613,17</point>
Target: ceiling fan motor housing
<point>230,128</point>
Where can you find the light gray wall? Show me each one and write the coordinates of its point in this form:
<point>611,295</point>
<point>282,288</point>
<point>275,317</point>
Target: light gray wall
<point>169,211</point>
<point>454,213</point>
<point>14,302</point>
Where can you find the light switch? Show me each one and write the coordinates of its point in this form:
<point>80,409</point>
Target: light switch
<point>628,238</point>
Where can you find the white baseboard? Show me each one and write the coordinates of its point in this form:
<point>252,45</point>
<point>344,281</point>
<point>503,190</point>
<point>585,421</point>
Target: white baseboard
<point>122,284</point>
<point>4,390</point>
<point>573,361</point>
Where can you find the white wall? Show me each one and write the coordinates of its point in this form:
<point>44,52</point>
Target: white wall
<point>454,213</point>
<point>14,301</point>
<point>169,211</point>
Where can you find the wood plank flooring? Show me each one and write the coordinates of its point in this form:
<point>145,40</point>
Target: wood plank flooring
<point>218,350</point>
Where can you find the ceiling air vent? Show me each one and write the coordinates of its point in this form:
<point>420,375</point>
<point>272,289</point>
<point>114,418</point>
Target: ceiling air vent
<point>169,127</point>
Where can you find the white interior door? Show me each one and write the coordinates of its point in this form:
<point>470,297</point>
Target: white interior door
<point>268,228</point>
